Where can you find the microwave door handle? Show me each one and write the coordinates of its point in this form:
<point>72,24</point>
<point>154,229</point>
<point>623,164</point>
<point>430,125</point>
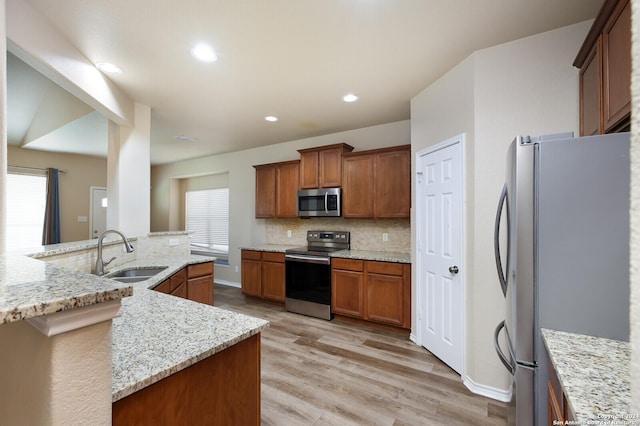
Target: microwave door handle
<point>326,202</point>
<point>496,239</point>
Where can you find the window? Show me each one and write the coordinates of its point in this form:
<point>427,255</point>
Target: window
<point>207,215</point>
<point>26,201</point>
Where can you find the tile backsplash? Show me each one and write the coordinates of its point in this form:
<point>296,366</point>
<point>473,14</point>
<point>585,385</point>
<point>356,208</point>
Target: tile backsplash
<point>365,234</point>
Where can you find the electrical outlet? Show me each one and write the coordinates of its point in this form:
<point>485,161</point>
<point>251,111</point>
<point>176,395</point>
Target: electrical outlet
<point>385,237</point>
<point>236,268</point>
<point>289,233</point>
<point>174,241</point>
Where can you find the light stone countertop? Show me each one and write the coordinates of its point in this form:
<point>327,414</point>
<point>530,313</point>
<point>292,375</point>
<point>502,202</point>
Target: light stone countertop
<point>380,256</point>
<point>30,288</point>
<point>157,334</point>
<point>594,374</point>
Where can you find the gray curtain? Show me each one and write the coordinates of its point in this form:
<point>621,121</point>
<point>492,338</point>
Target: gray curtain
<point>51,229</point>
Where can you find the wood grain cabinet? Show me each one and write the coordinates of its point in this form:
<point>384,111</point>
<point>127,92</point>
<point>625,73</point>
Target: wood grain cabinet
<point>321,167</point>
<point>277,189</point>
<point>371,290</point>
<point>195,282</point>
<point>263,274</point>
<point>377,183</point>
<point>559,410</point>
<point>604,61</point>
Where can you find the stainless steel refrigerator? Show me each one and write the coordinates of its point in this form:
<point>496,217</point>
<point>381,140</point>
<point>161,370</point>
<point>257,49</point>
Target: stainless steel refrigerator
<point>562,253</point>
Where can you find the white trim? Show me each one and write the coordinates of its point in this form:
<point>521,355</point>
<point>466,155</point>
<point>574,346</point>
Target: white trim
<point>227,283</point>
<point>63,321</point>
<point>461,141</point>
<point>413,338</point>
<point>489,392</point>
<point>91,195</point>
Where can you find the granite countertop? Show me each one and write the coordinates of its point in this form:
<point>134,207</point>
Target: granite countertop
<point>594,374</point>
<point>157,334</point>
<point>30,288</point>
<point>380,256</point>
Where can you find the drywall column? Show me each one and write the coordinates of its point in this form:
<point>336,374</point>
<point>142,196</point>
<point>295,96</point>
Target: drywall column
<point>3,128</point>
<point>129,175</point>
<point>58,380</point>
<point>634,267</point>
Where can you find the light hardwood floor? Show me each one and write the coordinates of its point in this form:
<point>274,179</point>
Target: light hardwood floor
<point>317,372</point>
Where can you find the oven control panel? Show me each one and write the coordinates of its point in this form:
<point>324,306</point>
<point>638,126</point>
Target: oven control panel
<point>328,236</point>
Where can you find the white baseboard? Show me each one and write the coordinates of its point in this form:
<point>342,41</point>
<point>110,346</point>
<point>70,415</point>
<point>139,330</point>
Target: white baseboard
<point>489,392</point>
<point>413,338</point>
<point>227,283</point>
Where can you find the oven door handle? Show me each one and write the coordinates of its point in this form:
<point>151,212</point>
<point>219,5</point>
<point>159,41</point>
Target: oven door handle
<point>308,259</point>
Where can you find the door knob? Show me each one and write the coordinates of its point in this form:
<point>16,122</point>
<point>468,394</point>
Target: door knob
<point>453,269</point>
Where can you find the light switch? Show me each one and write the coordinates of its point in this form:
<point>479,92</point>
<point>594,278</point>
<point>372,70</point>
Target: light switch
<point>82,218</point>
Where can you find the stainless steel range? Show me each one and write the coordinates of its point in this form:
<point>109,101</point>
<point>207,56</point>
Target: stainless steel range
<point>308,273</point>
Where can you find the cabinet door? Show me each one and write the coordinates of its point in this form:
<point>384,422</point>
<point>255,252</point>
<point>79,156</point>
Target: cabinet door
<point>251,272</point>
<point>178,279</point>
<point>200,289</point>
<point>385,298</point>
<point>273,281</point>
<point>590,90</point>
<point>392,187</point>
<point>330,170</point>
<point>357,184</point>
<point>309,170</point>
<point>287,179</point>
<point>347,293</point>
<point>616,51</point>
<point>180,291</point>
<point>265,191</point>
<point>164,287</point>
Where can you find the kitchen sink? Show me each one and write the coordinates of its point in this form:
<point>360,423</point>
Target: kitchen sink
<point>135,274</point>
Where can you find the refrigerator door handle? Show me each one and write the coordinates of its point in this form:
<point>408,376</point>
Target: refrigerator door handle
<point>502,204</point>
<point>507,362</point>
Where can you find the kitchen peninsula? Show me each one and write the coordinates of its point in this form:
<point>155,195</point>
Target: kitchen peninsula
<point>159,344</point>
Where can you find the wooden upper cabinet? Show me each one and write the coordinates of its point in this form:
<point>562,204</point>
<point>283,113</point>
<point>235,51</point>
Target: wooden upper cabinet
<point>377,183</point>
<point>392,187</point>
<point>605,71</point>
<point>277,189</point>
<point>321,167</point>
<point>357,186</point>
<point>287,189</point>
<point>616,71</point>
<point>265,191</point>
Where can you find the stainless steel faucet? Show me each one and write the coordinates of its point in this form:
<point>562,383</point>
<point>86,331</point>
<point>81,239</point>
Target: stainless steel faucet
<point>100,264</point>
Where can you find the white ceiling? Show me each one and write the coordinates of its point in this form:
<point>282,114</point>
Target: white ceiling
<point>294,59</point>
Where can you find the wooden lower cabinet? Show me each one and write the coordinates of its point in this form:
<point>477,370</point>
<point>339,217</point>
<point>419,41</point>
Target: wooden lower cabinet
<point>263,274</point>
<point>195,282</point>
<point>370,290</point>
<point>559,411</point>
<point>223,389</point>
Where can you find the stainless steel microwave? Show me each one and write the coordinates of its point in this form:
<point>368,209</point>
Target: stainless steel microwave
<point>324,202</point>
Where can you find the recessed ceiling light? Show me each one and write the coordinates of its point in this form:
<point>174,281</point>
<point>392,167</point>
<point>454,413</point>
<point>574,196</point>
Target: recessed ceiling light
<point>350,98</point>
<point>108,67</point>
<point>271,118</point>
<point>204,52</point>
<point>185,138</point>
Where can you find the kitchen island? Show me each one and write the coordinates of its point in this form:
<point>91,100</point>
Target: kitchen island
<point>158,343</point>
<point>594,375</point>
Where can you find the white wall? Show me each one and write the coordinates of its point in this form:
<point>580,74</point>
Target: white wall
<point>244,228</point>
<point>527,86</point>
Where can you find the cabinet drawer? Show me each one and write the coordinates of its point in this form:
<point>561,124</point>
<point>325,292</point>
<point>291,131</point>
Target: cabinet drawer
<point>347,264</point>
<point>386,268</point>
<point>200,269</point>
<point>269,256</point>
<point>251,255</point>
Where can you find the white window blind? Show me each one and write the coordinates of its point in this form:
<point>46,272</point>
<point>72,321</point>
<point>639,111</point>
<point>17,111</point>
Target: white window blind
<point>207,216</point>
<point>26,201</point>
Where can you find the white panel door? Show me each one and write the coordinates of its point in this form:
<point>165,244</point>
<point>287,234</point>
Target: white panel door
<point>440,304</point>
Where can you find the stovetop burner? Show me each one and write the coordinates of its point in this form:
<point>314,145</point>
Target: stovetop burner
<point>323,242</point>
